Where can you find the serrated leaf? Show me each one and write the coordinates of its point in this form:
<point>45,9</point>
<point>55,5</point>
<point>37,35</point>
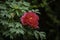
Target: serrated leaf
<point>36,11</point>
<point>4,22</point>
<point>36,35</point>
<point>26,3</point>
<point>21,31</point>
<point>18,25</point>
<point>6,33</point>
<point>12,30</point>
<point>5,13</point>
<point>42,35</point>
<point>11,25</point>
<point>15,6</point>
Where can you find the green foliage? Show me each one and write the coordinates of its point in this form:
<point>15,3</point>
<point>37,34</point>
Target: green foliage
<point>10,13</point>
<point>38,34</point>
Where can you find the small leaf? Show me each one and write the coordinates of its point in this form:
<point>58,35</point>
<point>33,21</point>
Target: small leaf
<point>12,30</point>
<point>6,33</point>
<point>42,35</point>
<point>17,13</point>
<point>36,11</point>
<point>18,25</point>
<point>36,35</point>
<point>21,31</point>
<point>24,8</point>
<point>26,3</point>
<point>4,22</point>
<point>11,25</point>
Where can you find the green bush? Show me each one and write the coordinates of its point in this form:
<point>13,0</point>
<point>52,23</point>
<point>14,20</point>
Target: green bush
<point>10,25</point>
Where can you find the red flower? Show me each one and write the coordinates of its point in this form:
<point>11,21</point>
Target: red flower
<point>31,19</point>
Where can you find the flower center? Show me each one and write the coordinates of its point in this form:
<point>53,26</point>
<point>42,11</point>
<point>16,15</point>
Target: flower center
<point>30,18</point>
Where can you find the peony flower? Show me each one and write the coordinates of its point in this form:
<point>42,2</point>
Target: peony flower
<point>30,19</point>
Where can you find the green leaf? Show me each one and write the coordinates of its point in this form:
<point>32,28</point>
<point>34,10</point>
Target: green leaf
<point>18,25</point>
<point>15,6</point>
<point>42,35</point>
<point>24,8</point>
<point>11,25</point>
<point>26,3</point>
<point>18,14</point>
<point>21,31</point>
<point>36,11</point>
<point>6,33</point>
<point>2,6</point>
<point>12,30</point>
<point>36,35</point>
<point>17,31</point>
<point>5,13</point>
<point>23,11</point>
<point>4,22</point>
